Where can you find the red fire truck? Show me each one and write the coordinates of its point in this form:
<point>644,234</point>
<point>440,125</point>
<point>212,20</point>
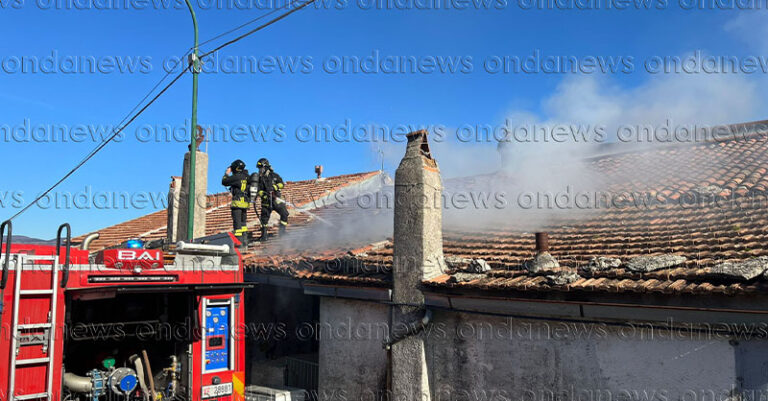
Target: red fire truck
<point>121,324</point>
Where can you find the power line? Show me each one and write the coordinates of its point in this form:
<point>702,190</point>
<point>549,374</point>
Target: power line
<point>153,88</point>
<point>243,25</point>
<point>128,115</point>
<point>258,28</point>
<point>101,146</point>
<point>156,85</point>
<point>123,124</point>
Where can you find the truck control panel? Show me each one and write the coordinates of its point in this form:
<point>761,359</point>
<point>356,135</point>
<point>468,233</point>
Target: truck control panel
<point>218,322</point>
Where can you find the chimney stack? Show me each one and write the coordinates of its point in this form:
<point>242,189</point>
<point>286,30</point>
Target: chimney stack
<point>542,242</point>
<point>174,195</point>
<point>417,256</point>
<point>543,261</point>
<point>319,171</point>
<point>201,190</point>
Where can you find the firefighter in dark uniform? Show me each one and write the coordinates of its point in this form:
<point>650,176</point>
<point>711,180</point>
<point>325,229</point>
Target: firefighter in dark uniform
<point>236,178</point>
<point>268,186</point>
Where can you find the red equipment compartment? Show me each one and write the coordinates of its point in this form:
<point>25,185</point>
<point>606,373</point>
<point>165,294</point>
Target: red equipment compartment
<point>116,297</point>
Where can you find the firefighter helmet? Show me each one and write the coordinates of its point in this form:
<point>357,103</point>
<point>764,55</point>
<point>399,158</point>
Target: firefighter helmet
<point>263,163</point>
<point>237,165</point>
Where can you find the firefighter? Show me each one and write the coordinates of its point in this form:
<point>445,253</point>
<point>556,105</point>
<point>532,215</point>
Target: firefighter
<point>236,178</point>
<point>268,186</point>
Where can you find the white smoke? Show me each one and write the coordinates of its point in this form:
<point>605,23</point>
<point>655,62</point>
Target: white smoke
<point>547,152</point>
<point>750,27</point>
<point>663,110</point>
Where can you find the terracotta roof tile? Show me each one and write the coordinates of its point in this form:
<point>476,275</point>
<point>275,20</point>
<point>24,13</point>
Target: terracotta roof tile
<point>153,225</point>
<point>733,229</point>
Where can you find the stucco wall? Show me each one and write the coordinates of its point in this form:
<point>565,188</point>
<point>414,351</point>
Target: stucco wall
<point>496,358</point>
<point>474,357</point>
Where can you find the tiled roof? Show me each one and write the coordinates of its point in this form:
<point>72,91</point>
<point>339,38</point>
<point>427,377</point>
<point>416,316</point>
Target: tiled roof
<point>153,225</point>
<point>141,227</point>
<point>336,265</point>
<point>728,222</point>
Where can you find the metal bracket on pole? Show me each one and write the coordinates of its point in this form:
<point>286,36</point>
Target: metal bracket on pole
<point>194,63</point>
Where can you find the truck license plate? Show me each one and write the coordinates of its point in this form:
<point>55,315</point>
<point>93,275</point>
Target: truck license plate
<point>217,390</point>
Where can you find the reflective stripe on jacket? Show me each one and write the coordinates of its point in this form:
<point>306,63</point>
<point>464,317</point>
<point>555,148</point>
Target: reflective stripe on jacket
<point>239,188</point>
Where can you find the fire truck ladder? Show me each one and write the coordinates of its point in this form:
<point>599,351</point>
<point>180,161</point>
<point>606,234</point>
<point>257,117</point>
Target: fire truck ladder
<point>48,341</point>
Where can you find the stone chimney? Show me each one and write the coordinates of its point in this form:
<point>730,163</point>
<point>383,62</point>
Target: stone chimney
<point>418,256</point>
<point>201,190</point>
<point>174,194</point>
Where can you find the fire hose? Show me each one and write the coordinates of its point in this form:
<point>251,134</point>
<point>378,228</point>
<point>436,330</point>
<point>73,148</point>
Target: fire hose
<point>140,373</point>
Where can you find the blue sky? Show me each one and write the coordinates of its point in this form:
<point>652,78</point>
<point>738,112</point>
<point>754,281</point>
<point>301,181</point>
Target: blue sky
<point>320,97</point>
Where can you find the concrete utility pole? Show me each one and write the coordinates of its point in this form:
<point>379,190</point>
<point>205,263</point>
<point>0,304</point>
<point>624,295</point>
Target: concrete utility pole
<point>193,132</point>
